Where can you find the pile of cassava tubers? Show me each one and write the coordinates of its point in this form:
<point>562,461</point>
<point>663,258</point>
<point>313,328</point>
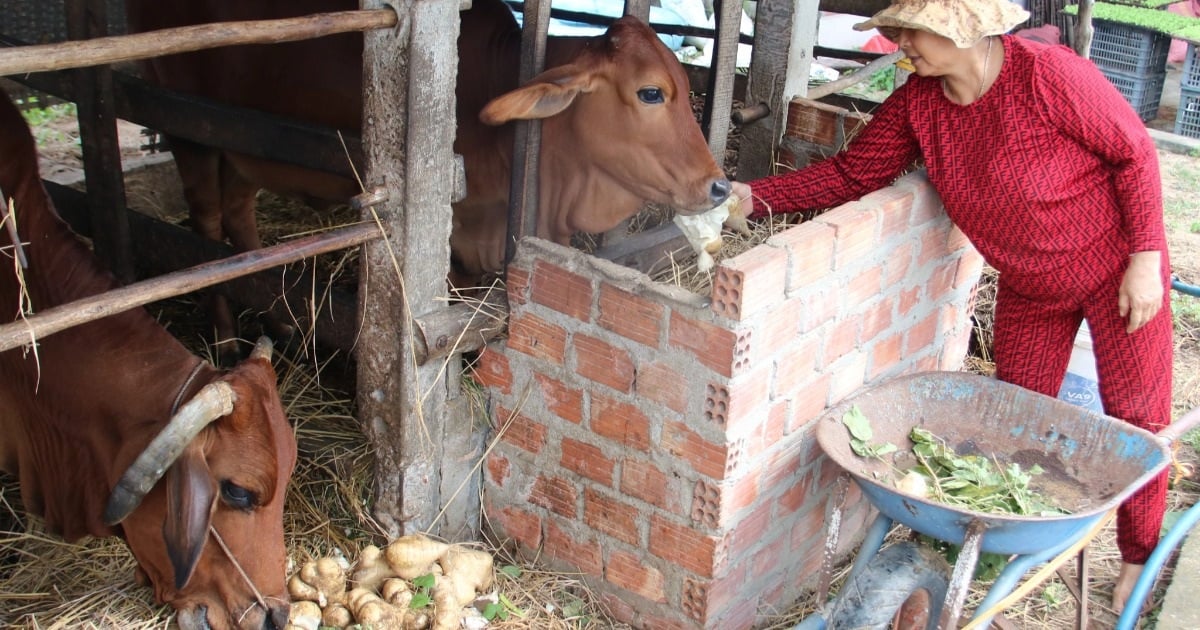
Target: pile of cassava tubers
<point>378,591</point>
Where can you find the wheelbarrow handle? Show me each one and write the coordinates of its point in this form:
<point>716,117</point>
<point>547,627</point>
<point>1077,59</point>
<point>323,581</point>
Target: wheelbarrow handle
<point>1180,427</point>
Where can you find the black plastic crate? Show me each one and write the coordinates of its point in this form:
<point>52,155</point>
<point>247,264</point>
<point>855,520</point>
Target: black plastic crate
<point>1129,49</point>
<point>1187,119</point>
<point>1190,79</point>
<point>1142,92</point>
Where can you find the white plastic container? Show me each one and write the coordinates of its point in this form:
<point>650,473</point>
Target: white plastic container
<point>1080,385</point>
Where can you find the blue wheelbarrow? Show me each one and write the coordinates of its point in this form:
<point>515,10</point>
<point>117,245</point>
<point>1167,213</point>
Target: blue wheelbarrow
<point>1091,463</point>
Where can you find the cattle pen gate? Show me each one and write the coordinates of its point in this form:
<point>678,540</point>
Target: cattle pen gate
<point>652,439</point>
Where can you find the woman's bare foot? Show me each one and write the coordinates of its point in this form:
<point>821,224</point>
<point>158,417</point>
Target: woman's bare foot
<point>1126,580</point>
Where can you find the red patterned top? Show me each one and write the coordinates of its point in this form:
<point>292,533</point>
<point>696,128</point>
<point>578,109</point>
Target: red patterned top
<point>1051,174</point>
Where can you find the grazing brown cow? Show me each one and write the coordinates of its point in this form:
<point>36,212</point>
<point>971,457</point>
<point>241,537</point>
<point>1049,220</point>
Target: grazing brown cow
<point>113,428</point>
<point>617,131</point>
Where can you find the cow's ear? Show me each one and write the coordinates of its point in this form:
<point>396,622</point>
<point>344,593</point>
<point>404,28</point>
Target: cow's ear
<point>545,95</point>
<point>190,499</point>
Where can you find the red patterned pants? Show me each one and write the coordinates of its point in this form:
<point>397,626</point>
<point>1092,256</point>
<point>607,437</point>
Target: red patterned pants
<point>1032,346</point>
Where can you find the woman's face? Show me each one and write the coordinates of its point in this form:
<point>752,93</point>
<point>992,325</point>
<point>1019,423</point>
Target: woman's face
<point>932,55</point>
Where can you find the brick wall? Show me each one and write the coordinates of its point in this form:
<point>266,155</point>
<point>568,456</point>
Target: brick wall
<point>658,442</point>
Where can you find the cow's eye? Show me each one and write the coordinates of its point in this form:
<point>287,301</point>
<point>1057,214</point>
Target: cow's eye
<point>237,496</point>
<point>650,95</point>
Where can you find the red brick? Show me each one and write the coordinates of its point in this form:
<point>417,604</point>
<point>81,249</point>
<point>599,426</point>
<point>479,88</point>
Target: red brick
<point>650,621</point>
<point>876,319</point>
<point>896,205</point>
<point>603,363</point>
<point>520,430</point>
<point>742,406</point>
<point>704,456</point>
<point>749,282</point>
<point>537,338</point>
<point>927,206</point>
<point>705,601</point>
<point>740,615</point>
<point>898,264</point>
<point>516,285</point>
<point>497,469</point>
<point>711,345</point>
<point>810,252</point>
<point>628,571</point>
<point>933,244</point>
<point>854,227</point>
<point>581,552</point>
<point>645,481</point>
<point>810,402</point>
<point>491,370</point>
<point>611,517</point>
<point>663,384</point>
<point>561,400</point>
<point>772,429</point>
<point>956,240</point>
<point>849,375</point>
<point>793,498</point>
<point>819,308</point>
<point>555,494</point>
<point>775,329</point>
<point>909,298</point>
<point>564,291</point>
<point>630,315</point>
<point>587,460</point>
<point>885,355</point>
<point>750,531</point>
<point>773,559</point>
<point>940,281</point>
<point>921,335</point>
<point>621,422</point>
<point>618,608</point>
<point>683,546</point>
<point>795,367</point>
<point>863,288</point>
<point>743,493</point>
<point>523,527</point>
<point>970,267</point>
<point>840,341</point>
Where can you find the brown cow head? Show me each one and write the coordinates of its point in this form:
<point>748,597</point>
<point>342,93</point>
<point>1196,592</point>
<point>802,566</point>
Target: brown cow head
<point>202,506</point>
<point>618,130</point>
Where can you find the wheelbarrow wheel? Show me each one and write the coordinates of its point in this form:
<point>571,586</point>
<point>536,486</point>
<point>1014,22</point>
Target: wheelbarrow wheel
<point>902,587</point>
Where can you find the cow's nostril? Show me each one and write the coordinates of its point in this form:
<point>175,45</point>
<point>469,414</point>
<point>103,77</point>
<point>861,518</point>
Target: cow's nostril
<point>276,618</point>
<point>720,190</point>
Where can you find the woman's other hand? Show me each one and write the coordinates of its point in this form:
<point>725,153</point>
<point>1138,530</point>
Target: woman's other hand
<point>1141,292</point>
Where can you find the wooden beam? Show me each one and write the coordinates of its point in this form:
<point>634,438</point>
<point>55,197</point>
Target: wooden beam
<point>123,298</point>
<point>106,50</point>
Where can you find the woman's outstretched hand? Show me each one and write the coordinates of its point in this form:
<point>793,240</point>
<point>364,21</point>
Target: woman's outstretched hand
<point>745,200</point>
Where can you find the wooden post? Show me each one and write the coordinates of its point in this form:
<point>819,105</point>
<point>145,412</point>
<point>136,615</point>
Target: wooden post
<point>1083,29</point>
<point>785,32</point>
<point>104,175</point>
<point>717,107</point>
<point>527,143</point>
<point>403,406</point>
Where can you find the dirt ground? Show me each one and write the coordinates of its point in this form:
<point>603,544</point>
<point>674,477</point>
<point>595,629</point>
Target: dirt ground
<point>1048,607</point>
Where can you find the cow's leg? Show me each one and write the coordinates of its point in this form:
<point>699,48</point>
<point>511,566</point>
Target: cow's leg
<point>200,173</point>
<point>239,196</point>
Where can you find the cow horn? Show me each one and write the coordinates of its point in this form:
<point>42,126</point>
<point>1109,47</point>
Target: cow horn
<point>263,349</point>
<point>214,401</point>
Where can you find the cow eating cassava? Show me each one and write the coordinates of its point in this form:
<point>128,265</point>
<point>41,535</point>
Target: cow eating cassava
<point>617,125</point>
<point>113,428</point>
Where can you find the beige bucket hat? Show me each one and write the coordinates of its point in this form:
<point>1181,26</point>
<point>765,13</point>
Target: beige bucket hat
<point>962,21</point>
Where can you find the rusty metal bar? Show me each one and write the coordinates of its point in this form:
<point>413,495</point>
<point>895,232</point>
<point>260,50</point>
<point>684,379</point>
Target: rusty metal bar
<point>121,299</point>
<point>104,50</point>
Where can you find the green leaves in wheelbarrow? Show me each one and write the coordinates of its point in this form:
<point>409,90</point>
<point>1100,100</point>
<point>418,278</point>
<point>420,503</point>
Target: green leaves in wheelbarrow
<point>860,435</point>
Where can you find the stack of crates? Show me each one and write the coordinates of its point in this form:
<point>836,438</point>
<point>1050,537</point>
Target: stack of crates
<point>1134,60</point>
<point>1187,119</point>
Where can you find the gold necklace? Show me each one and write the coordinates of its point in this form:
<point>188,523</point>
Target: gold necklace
<point>986,60</point>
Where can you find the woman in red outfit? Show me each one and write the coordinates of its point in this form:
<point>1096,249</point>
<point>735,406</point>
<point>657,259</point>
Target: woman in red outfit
<point>1047,169</point>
